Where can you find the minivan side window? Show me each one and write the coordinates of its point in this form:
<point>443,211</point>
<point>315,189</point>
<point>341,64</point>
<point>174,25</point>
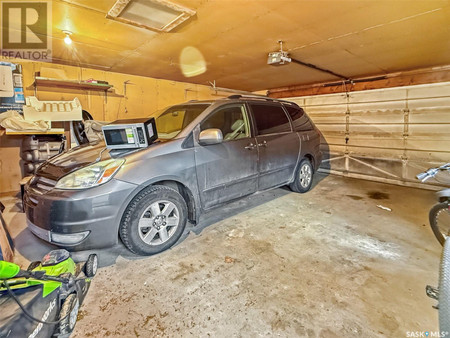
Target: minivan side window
<point>270,119</point>
<point>231,120</point>
<point>300,120</point>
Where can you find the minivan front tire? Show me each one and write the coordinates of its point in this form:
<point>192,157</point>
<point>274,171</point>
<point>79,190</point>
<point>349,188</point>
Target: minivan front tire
<point>154,220</point>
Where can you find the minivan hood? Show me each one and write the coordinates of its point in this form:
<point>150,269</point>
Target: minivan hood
<point>73,159</point>
<point>82,156</point>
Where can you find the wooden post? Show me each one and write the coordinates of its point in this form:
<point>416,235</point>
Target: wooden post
<point>67,135</point>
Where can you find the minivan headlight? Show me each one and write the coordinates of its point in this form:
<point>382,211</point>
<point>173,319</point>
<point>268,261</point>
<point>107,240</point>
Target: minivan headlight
<point>91,176</point>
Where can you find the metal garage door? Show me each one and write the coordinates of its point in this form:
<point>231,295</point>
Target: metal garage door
<point>387,135</point>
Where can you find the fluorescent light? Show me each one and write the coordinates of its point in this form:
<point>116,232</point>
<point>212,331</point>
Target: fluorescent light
<point>155,15</point>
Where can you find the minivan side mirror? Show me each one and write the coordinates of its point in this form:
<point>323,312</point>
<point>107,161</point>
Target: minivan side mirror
<point>210,136</point>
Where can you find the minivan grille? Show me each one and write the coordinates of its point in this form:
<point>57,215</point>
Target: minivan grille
<point>45,184</point>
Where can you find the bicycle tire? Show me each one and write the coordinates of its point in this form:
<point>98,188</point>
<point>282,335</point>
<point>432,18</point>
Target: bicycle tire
<point>444,289</point>
<point>434,213</point>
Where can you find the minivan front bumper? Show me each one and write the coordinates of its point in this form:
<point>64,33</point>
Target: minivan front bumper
<point>78,219</point>
<point>66,240</point>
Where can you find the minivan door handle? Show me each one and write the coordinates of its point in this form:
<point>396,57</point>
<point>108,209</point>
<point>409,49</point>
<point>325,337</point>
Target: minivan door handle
<point>251,146</point>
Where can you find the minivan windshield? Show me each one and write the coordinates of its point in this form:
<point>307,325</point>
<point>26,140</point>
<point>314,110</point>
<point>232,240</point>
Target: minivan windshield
<point>174,119</point>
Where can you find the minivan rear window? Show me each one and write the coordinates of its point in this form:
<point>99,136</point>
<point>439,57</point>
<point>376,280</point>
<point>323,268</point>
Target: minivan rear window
<point>270,119</point>
<point>300,120</point>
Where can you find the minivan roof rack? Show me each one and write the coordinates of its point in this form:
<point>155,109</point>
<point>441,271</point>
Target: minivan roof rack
<point>258,97</point>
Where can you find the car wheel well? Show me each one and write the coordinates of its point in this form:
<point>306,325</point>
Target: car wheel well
<point>311,159</point>
<point>187,195</point>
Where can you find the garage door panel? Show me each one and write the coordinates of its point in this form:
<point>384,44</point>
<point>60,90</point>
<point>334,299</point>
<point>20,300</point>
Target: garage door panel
<point>335,141</point>
<point>430,115</point>
<point>327,118</point>
<point>322,120</point>
<point>334,99</point>
<point>329,129</point>
<point>329,139</point>
<point>421,91</point>
<point>334,147</point>
<point>378,95</point>
<point>436,130</point>
<point>327,109</point>
<point>429,103</point>
<point>380,117</point>
<point>406,130</point>
<point>375,152</point>
<point>356,107</point>
<point>434,158</point>
<point>376,167</point>
<point>428,144</point>
<point>377,142</point>
<point>333,133</point>
<point>387,130</point>
<point>334,161</point>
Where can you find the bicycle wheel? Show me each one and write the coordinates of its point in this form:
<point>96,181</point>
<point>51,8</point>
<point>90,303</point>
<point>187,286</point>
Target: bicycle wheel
<point>440,221</point>
<point>444,290</point>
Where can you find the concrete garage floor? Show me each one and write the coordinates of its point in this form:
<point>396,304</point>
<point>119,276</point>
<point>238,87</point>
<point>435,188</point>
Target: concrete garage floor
<point>329,263</point>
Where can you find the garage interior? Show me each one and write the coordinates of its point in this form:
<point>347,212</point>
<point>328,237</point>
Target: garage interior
<point>351,257</point>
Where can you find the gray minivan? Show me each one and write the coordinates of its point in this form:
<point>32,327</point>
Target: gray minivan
<point>207,153</point>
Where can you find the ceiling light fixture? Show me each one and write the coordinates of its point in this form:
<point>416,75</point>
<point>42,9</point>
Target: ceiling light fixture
<point>155,15</point>
<point>67,39</point>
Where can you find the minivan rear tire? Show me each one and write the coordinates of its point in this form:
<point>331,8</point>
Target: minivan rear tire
<point>303,177</point>
<point>154,220</point>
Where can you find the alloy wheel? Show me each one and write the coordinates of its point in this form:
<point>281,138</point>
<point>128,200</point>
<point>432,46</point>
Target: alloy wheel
<point>158,222</point>
<point>305,175</point>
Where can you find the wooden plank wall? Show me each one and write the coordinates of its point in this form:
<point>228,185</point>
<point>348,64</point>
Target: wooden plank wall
<point>6,246</point>
<point>142,97</point>
<point>387,135</point>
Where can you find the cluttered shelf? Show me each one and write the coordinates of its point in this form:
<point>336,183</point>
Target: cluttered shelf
<point>49,82</point>
<point>52,131</point>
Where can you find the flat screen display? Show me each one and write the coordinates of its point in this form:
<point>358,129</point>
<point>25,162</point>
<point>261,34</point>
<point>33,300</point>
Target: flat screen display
<point>119,136</point>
